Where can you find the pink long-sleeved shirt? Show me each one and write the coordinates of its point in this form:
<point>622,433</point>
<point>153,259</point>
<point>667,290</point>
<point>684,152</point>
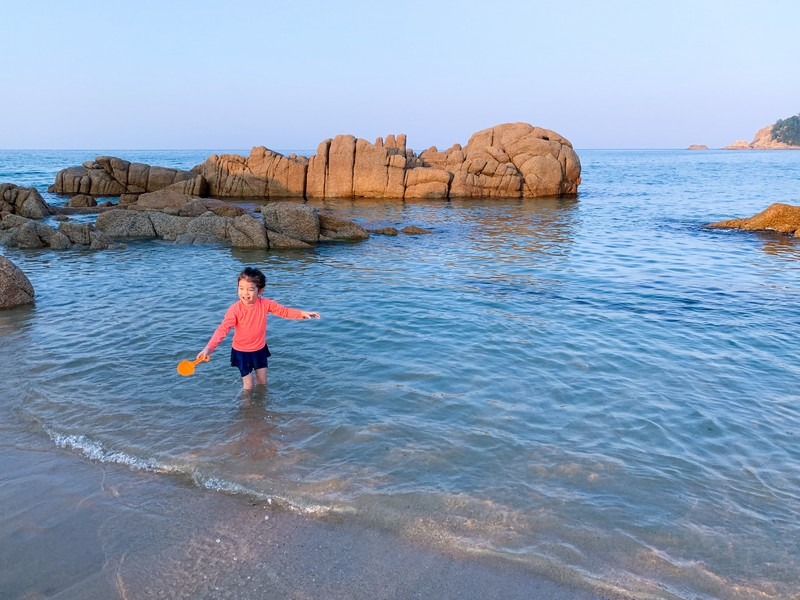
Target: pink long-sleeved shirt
<point>249,324</point>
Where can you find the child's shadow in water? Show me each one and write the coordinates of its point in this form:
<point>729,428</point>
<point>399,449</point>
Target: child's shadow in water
<point>254,434</point>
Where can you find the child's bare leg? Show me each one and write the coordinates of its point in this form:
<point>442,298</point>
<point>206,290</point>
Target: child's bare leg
<point>261,376</point>
<point>247,382</point>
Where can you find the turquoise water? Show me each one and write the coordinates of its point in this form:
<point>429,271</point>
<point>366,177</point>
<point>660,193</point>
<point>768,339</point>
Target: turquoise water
<point>599,388</point>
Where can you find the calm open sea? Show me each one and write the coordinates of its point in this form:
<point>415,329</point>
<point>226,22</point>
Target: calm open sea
<point>600,388</point>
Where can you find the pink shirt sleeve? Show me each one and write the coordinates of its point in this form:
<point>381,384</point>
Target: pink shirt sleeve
<point>228,321</point>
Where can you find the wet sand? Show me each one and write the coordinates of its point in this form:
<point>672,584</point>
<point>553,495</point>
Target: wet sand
<point>74,529</point>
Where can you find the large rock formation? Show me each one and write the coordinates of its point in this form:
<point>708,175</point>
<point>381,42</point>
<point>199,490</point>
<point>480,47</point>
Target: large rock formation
<point>22,201</point>
<point>783,218</point>
<point>512,160</point>
<point>110,176</point>
<point>761,141</point>
<point>515,160</point>
<point>15,287</point>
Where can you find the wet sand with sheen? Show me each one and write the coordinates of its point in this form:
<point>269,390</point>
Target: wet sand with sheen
<point>77,529</point>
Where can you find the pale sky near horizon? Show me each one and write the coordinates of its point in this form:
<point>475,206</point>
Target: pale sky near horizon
<point>184,74</point>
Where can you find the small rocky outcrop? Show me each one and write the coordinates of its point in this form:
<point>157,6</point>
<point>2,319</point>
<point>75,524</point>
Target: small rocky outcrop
<point>15,287</point>
<point>173,202</point>
<point>697,147</point>
<point>111,176</point>
<point>779,217</point>
<point>415,230</point>
<point>282,225</point>
<point>22,201</point>
<point>19,232</point>
<point>761,141</point>
<point>82,201</point>
<point>243,231</point>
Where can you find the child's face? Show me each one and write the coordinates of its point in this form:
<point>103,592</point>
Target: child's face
<point>248,292</point>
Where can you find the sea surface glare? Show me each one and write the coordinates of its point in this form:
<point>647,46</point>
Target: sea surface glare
<point>600,388</point>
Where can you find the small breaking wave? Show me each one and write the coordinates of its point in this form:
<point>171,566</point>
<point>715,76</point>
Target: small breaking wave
<point>94,450</point>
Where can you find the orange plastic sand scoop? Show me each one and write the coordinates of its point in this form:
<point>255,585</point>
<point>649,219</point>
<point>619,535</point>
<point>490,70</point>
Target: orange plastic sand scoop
<point>186,367</point>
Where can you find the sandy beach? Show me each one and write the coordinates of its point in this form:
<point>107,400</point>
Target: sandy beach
<point>72,528</point>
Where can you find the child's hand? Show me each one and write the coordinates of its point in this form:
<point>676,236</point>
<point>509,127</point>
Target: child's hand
<point>310,315</point>
<point>203,354</point>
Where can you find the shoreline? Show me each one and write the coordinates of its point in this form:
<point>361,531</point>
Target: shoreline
<point>79,529</point>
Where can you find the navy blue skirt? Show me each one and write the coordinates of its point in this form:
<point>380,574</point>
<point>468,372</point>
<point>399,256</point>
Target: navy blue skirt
<point>247,362</point>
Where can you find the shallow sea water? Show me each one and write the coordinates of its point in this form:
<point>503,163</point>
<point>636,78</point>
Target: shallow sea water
<point>600,388</point>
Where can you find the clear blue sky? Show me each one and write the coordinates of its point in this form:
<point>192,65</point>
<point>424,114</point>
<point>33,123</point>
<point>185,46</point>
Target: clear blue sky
<point>231,75</point>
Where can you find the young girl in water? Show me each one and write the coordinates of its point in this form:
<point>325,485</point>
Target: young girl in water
<point>248,318</point>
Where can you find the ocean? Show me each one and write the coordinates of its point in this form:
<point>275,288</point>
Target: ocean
<point>598,388</point>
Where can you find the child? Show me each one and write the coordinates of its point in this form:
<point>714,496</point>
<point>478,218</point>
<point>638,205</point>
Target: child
<point>248,317</point>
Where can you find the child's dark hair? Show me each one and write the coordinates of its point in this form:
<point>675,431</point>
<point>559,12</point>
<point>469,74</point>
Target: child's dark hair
<point>254,276</point>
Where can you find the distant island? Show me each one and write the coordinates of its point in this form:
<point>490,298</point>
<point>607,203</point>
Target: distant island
<point>784,134</point>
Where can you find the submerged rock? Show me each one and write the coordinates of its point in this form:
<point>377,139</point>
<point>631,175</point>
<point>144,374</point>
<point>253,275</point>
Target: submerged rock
<point>415,230</point>
<point>15,287</point>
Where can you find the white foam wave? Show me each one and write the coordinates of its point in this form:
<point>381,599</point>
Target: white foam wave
<point>94,450</point>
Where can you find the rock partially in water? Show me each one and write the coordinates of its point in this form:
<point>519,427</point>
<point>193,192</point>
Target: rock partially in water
<point>415,230</point>
<point>282,225</point>
<point>22,201</point>
<point>336,228</point>
<point>292,219</point>
<point>111,176</point>
<point>513,160</point>
<point>783,218</point>
<point>82,201</point>
<point>15,287</point>
<point>19,232</point>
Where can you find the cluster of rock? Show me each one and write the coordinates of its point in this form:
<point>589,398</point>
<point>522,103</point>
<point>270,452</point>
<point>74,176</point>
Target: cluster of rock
<point>778,217</point>
<point>512,160</point>
<point>20,232</point>
<point>15,287</point>
<point>21,213</point>
<point>191,220</point>
<point>762,140</point>
<point>110,176</point>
